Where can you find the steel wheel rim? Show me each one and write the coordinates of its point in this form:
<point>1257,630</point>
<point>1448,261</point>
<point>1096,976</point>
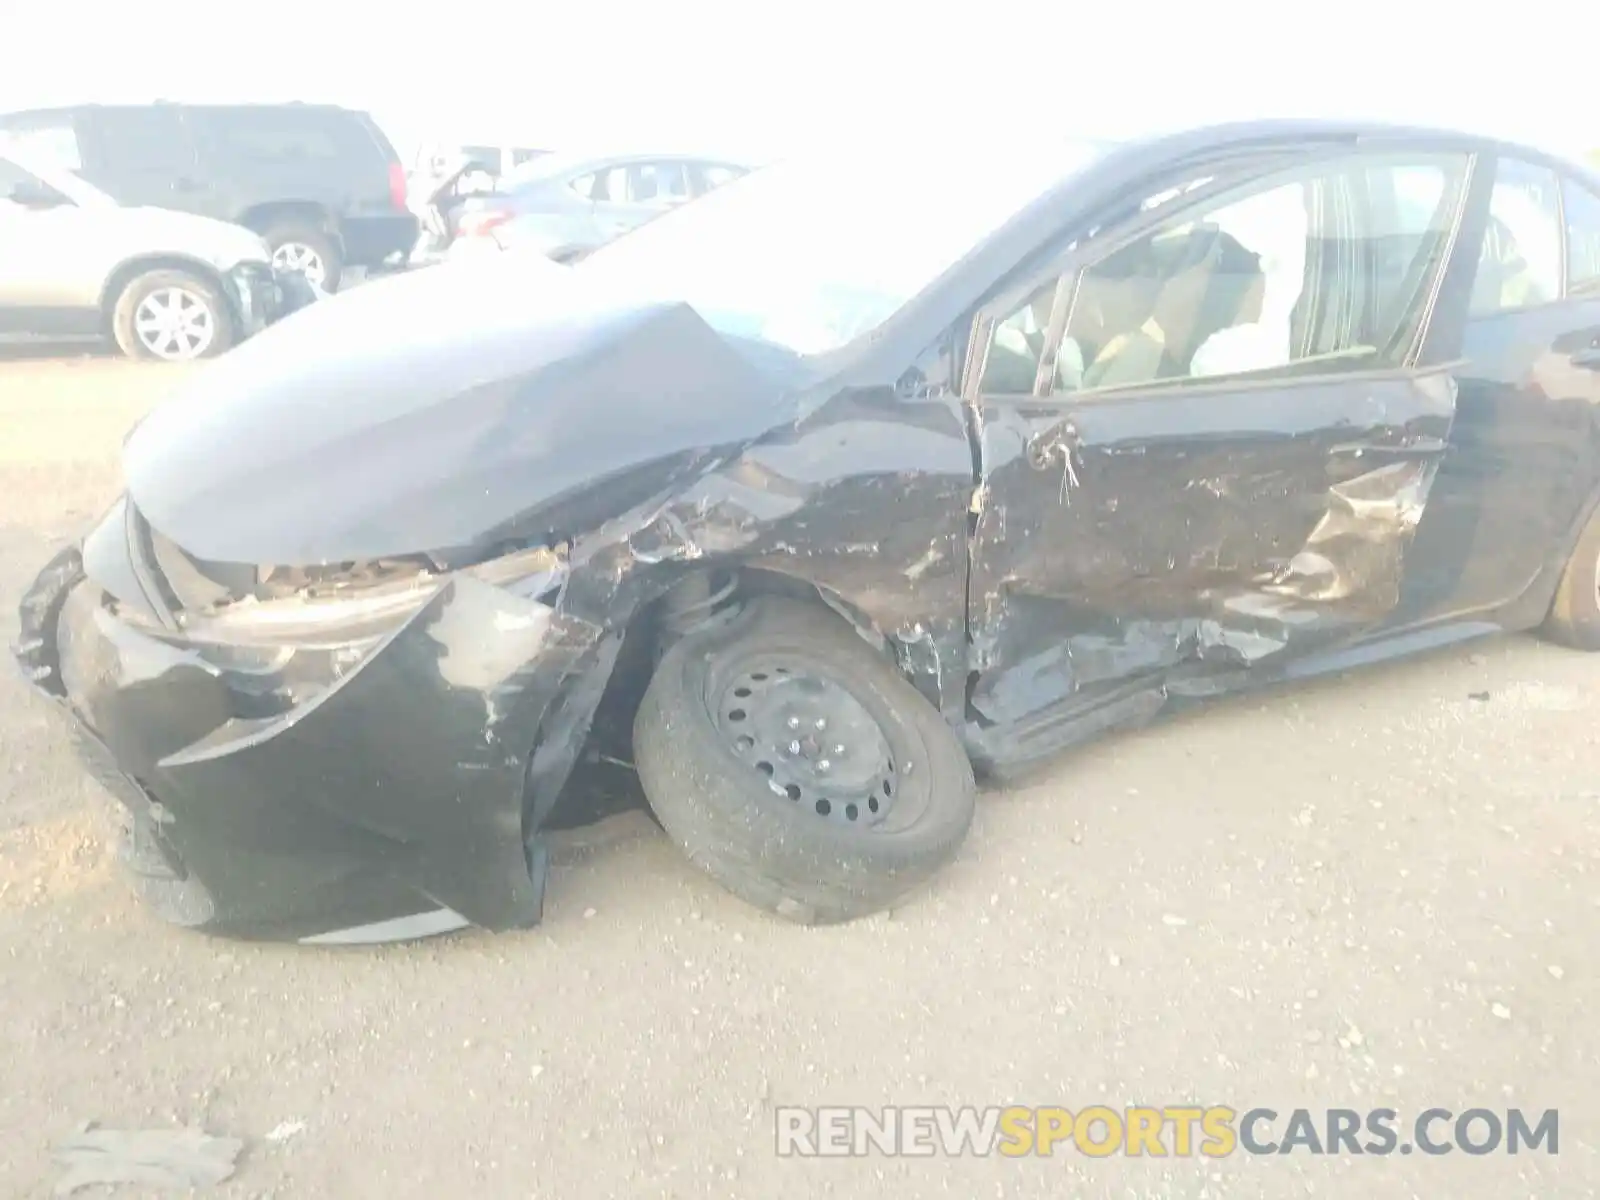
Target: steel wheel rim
<point>809,740</point>
<point>175,323</point>
<point>297,256</point>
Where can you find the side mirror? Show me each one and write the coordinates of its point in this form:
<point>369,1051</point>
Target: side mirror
<point>35,195</point>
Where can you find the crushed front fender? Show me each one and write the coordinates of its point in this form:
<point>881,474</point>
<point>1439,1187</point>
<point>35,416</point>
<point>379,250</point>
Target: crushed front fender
<point>406,795</point>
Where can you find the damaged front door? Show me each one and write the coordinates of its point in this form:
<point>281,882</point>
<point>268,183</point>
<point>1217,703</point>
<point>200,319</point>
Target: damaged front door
<point>1204,440</point>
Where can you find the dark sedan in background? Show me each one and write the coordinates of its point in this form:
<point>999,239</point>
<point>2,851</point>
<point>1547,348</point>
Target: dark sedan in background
<point>566,205</point>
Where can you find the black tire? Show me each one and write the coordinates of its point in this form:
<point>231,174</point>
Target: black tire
<point>302,232</point>
<point>771,850</point>
<point>1574,618</point>
<point>125,313</point>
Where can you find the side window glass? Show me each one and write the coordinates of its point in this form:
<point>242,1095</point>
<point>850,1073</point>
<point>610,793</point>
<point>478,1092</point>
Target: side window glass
<point>21,190</point>
<point>1319,269</point>
<point>13,177</point>
<point>1583,237</point>
<point>657,183</point>
<point>1519,264</point>
<point>280,135</point>
<point>611,185</point>
<point>55,144</point>
<point>584,185</point>
<point>139,141</point>
<point>710,176</point>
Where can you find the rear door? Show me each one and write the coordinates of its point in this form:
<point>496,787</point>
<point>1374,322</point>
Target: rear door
<point>144,156</point>
<point>1525,449</point>
<point>647,189</point>
<point>1223,456</point>
<point>562,214</point>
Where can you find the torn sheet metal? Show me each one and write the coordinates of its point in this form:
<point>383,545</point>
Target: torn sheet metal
<point>397,788</point>
<point>1214,528</point>
<point>808,502</point>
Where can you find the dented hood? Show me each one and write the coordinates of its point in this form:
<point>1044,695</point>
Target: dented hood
<point>438,410</point>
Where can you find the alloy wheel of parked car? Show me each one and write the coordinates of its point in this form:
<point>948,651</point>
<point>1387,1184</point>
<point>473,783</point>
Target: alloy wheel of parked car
<point>297,256</point>
<point>175,323</point>
<point>797,767</point>
<point>172,316</point>
<point>299,245</point>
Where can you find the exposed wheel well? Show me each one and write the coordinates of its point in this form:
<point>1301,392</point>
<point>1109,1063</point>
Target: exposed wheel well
<point>699,596</point>
<point>133,268</point>
<point>263,216</point>
<point>702,596</point>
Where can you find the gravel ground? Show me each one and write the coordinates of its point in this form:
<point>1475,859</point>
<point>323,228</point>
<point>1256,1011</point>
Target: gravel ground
<point>1378,891</point>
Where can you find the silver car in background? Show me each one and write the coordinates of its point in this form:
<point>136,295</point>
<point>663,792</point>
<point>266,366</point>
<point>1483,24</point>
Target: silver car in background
<point>565,205</point>
<point>76,265</point>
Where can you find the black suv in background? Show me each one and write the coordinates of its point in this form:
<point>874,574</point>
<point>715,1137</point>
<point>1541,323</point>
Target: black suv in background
<point>322,184</point>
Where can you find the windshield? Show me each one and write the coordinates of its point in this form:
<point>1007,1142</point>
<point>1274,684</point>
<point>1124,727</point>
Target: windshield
<point>811,254</point>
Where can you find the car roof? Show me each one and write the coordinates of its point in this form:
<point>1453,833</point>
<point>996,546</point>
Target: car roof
<point>557,163</point>
<point>1278,130</point>
<point>60,110</point>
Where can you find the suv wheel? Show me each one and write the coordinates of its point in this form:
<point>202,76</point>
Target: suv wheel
<point>304,247</point>
<point>172,316</point>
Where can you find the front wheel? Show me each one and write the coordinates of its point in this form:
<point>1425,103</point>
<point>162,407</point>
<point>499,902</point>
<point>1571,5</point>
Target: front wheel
<point>172,316</point>
<point>793,763</point>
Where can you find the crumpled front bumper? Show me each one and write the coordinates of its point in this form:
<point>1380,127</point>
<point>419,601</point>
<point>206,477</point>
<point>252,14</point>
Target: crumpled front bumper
<point>262,294</point>
<point>402,800</point>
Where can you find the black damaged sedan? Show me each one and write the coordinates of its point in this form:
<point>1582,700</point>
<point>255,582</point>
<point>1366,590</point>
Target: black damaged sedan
<point>836,484</point>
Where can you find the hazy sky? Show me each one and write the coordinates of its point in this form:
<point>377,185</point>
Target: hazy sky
<point>761,78</point>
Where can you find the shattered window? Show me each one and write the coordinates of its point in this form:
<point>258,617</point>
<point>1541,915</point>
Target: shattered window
<point>1520,261</point>
<point>1262,279</point>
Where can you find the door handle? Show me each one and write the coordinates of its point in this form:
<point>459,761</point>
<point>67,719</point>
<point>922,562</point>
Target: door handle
<point>184,184</point>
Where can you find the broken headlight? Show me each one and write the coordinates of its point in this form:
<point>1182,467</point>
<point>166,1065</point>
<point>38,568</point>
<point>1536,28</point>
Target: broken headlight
<point>294,635</point>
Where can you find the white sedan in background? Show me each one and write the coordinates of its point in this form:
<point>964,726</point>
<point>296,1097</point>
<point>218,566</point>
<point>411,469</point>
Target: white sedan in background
<point>161,284</point>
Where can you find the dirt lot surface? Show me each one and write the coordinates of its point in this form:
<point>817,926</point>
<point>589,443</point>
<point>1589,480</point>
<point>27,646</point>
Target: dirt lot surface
<point>1379,891</point>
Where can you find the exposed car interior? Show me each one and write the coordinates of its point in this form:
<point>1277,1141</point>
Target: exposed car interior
<point>1328,266</point>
